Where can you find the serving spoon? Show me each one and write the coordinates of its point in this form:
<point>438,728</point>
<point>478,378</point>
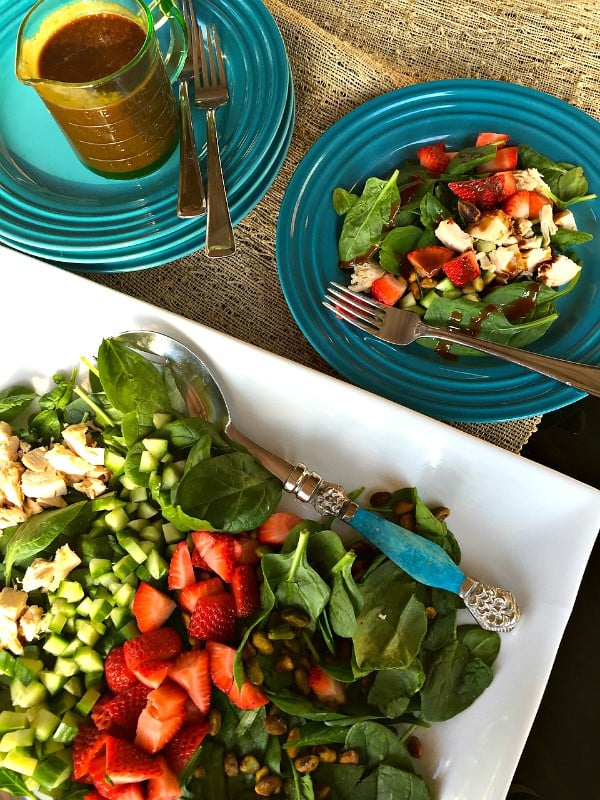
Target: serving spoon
<point>493,608</point>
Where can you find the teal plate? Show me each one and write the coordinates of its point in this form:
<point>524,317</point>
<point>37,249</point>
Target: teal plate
<point>372,140</point>
<point>53,207</point>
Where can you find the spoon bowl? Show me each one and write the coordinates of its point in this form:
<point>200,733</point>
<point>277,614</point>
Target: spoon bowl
<point>492,607</point>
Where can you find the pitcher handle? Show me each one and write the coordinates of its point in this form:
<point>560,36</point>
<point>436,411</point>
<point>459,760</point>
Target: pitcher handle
<point>166,11</point>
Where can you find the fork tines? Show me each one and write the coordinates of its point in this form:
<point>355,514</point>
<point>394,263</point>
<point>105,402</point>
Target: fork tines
<point>357,309</point>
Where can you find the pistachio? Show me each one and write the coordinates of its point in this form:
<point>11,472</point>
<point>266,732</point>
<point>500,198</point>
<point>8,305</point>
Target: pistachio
<point>322,792</point>
<point>430,612</point>
<point>254,672</point>
<point>293,736</point>
<point>441,513</point>
<point>262,643</point>
<point>348,757</point>
<point>249,651</point>
<point>281,632</point>
<point>306,764</point>
<point>296,617</point>
<point>414,746</point>
<point>285,663</point>
<point>268,786</point>
<point>379,499</point>
<point>214,721</point>
<point>275,725</point>
<point>249,765</point>
<point>301,681</point>
<point>407,521</point>
<point>261,773</point>
<point>327,755</point>
<point>230,765</point>
<point>199,773</point>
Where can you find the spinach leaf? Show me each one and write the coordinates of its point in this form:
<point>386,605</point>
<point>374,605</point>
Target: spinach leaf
<point>467,159</point>
<point>566,181</point>
<point>184,433</point>
<point>231,491</point>
<point>432,212</point>
<point>14,400</point>
<point>343,200</point>
<point>481,644</point>
<point>213,784</point>
<point>14,784</point>
<point>456,678</point>
<point>40,531</point>
<point>442,628</point>
<point>393,689</point>
<point>346,601</point>
<point>302,786</point>
<point>392,623</point>
<point>564,239</point>
<point>397,243</point>
<point>364,222</point>
<point>377,745</point>
<point>350,782</point>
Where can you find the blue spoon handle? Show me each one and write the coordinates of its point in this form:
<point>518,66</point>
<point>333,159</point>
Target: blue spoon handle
<point>422,559</point>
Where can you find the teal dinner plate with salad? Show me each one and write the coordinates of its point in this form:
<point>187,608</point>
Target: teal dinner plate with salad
<point>372,141</point>
<point>51,206</point>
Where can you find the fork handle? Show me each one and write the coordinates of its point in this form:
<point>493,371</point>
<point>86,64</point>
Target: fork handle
<point>191,201</point>
<point>219,233</point>
<point>580,376</point>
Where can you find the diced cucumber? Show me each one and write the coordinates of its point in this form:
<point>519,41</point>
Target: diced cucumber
<point>26,669</point>
<point>25,696</point>
<point>66,667</point>
<point>44,724</point>
<point>100,609</point>
<point>150,533</point>
<point>67,728</point>
<point>138,495</point>
<point>116,519</point>
<point>429,298</point>
<point>130,631</point>
<point>159,419</point>
<point>62,606</point>
<point>21,738</point>
<point>158,447</point>
<point>146,510</point>
<point>56,622</point>
<point>12,720</point>
<point>87,701</point>
<point>125,566</point>
<point>19,760</point>
<point>115,462</point>
<point>156,565</point>
<point>110,582</point>
<point>171,534</point>
<point>63,703</point>
<point>136,524</point>
<point>74,686</point>
<point>142,573</point>
<point>88,660</point>
<point>127,482</point>
<point>120,616</point>
<point>407,301</point>
<point>99,566</point>
<point>7,663</point>
<point>148,461</point>
<point>55,644</point>
<point>53,682</point>
<point>132,547</point>
<point>71,591</point>
<point>445,285</point>
<point>93,679</point>
<point>107,502</point>
<point>52,771</point>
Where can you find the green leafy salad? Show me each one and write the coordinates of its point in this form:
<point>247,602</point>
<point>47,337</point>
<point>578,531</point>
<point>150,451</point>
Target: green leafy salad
<point>480,239</point>
<point>167,631</point>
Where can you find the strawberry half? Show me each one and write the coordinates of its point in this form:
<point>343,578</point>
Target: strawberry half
<point>429,260</point>
<point>248,554</point>
<point>525,204</point>
<point>219,551</point>
<point>116,672</point>
<point>118,715</point>
<point>434,157</point>
<point>463,269</point>
<point>153,673</point>
<point>189,596</point>
<point>484,139</point>
<point>181,569</point>
<point>388,289</point>
<point>485,192</point>
<point>161,718</point>
<point>192,672</point>
<point>214,617</point>
<point>88,743</point>
<point>125,763</point>
<point>222,659</point>
<point>328,690</point>
<point>165,786</point>
<point>185,743</point>
<point>151,608</point>
<point>506,158</point>
<point>163,643</point>
<point>276,528</point>
<point>245,590</point>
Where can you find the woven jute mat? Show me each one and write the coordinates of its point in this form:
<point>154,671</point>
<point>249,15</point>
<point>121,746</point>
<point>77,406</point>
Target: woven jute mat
<point>341,55</point>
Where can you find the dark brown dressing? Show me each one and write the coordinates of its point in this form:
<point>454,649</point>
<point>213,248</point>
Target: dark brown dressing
<point>90,47</point>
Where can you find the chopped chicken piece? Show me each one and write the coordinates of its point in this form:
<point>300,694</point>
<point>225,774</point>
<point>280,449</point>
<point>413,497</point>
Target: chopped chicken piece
<point>493,226</point>
<point>47,575</point>
<point>10,484</point>
<point>13,603</point>
<point>64,460</point>
<point>9,443</point>
<point>530,244</point>
<point>565,219</point>
<point>77,439</point>
<point>506,262</point>
<point>91,487</point>
<point>31,623</point>
<point>43,485</point>
<point>532,180</point>
<point>558,271</point>
<point>12,515</point>
<point>364,275</point>
<point>35,459</point>
<point>452,235</point>
<point>523,228</point>
<point>547,226</point>
<point>535,256</point>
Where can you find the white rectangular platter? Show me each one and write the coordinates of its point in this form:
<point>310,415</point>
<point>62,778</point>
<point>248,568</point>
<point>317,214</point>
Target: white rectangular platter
<point>519,525</point>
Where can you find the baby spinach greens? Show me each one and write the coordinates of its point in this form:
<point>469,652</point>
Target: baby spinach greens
<point>394,216</point>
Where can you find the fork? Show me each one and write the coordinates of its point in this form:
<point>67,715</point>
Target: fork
<point>402,326</point>
<point>191,201</point>
<point>210,92</point>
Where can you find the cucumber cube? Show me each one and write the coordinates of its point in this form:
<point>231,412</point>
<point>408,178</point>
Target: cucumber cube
<point>67,728</point>
<point>26,695</point>
<point>99,610</point>
<point>44,724</point>
<point>26,669</point>
<point>52,771</point>
<point>21,738</point>
<point>116,519</point>
<point>74,686</point>
<point>171,534</point>
<point>88,701</point>
<point>124,596</point>
<point>114,462</point>
<point>148,461</point>
<point>19,760</point>
<point>55,644</point>
<point>160,418</point>
<point>132,547</point>
<point>12,720</point>
<point>125,566</point>
<point>156,565</point>
<point>99,566</point>
<point>86,632</point>
<point>53,682</point>
<point>71,591</point>
<point>66,667</point>
<point>88,660</point>
<point>7,663</point>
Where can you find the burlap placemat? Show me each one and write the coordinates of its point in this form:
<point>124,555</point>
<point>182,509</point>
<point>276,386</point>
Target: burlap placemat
<point>342,55</point>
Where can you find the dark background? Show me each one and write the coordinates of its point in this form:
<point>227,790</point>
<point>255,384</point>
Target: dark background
<point>561,760</point>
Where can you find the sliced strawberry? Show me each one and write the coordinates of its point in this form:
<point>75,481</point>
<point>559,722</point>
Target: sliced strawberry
<point>525,204</point>
<point>434,157</point>
<point>116,672</point>
<point>167,701</point>
<point>485,192</point>
<point>119,715</point>
<point>214,617</point>
<point>152,673</point>
<point>165,786</point>
<point>92,795</point>
<point>248,553</point>
<point>484,139</point>
<point>189,596</point>
<point>463,269</point>
<point>128,791</point>
<point>125,763</point>
<point>192,672</point>
<point>185,743</point>
<point>181,570</point>
<point>151,608</point>
<point>219,551</point>
<point>428,261</point>
<point>276,528</point>
<point>328,690</point>
<point>388,289</point>
<point>198,561</point>
<point>506,158</point>
<point>163,643</point>
<point>153,734</point>
<point>97,773</point>
<point>245,590</point>
<point>88,743</point>
<point>222,659</point>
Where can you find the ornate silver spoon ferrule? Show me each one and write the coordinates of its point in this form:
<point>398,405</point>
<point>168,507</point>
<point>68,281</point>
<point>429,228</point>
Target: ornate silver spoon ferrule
<point>494,609</point>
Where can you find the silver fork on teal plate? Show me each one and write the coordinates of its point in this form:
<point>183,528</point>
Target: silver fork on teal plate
<point>402,326</point>
<point>210,92</point>
<point>191,200</point>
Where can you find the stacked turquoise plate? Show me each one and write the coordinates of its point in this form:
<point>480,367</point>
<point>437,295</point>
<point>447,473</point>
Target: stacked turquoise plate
<point>52,207</point>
